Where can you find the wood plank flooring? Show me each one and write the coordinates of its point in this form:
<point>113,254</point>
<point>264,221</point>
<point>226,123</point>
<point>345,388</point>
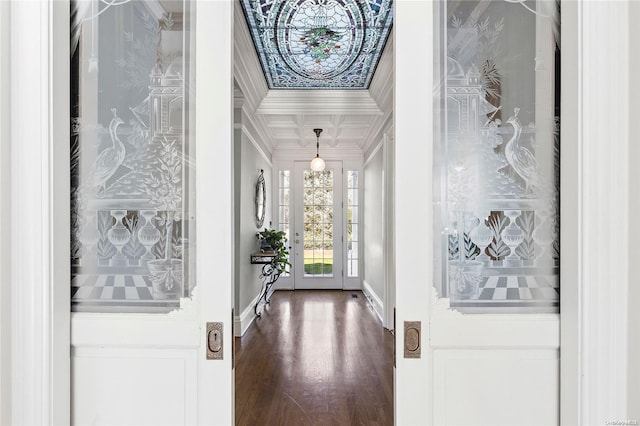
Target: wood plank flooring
<point>315,358</point>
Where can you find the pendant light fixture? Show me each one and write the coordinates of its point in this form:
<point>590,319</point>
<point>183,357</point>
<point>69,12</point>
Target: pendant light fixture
<point>317,164</point>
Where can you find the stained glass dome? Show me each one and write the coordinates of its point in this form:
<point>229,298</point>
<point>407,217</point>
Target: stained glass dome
<point>319,44</point>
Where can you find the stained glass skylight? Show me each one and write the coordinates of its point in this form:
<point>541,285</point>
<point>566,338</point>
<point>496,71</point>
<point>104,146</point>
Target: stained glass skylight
<point>319,44</point>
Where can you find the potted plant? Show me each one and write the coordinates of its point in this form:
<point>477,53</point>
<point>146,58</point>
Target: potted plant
<point>271,240</point>
<point>164,187</point>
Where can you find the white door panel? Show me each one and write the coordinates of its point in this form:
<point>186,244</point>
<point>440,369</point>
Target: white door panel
<point>500,367</point>
<point>164,392</point>
<point>147,364</point>
<point>495,387</point>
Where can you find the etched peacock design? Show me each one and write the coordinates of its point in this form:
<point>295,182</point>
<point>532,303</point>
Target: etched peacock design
<point>109,159</point>
<point>520,158</point>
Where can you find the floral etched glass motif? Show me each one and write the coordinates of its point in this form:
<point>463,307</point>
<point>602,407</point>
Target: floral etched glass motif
<point>498,155</point>
<point>131,228</point>
<point>309,44</point>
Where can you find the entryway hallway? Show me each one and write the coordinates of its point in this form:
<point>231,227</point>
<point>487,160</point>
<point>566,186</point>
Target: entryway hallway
<point>315,358</point>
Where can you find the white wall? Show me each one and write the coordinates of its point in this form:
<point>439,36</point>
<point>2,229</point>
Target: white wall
<point>373,225</point>
<point>249,160</point>
<point>633,357</point>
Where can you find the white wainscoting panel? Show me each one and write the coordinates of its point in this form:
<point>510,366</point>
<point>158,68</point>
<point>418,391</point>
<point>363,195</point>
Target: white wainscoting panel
<point>129,383</point>
<point>496,387</point>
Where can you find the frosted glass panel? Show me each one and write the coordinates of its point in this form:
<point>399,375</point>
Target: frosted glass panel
<point>131,156</point>
<point>497,127</point>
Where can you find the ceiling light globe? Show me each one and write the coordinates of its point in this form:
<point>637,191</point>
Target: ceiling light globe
<point>317,164</point>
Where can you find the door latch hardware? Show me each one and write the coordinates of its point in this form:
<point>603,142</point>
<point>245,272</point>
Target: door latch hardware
<point>233,338</point>
<point>412,336</point>
<point>395,334</point>
<point>214,340</point>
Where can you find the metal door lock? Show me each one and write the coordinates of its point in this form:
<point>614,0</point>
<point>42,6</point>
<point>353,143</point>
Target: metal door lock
<point>214,340</point>
<point>412,337</point>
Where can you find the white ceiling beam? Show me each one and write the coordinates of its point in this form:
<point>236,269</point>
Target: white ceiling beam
<point>312,102</point>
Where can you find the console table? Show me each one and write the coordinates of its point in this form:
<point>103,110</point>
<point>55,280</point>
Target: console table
<point>269,276</point>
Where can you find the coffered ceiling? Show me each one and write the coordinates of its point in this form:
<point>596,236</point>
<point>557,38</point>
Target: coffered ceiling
<point>282,121</point>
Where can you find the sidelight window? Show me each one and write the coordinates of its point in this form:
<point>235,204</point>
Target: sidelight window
<point>352,224</point>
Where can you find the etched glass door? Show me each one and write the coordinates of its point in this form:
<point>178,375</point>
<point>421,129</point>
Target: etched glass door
<point>479,235</point>
<point>149,336</point>
<point>130,158</point>
<point>318,227</point>
<point>498,127</point>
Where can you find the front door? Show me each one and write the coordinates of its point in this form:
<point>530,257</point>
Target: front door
<point>151,281</point>
<point>476,211</point>
<point>317,245</point>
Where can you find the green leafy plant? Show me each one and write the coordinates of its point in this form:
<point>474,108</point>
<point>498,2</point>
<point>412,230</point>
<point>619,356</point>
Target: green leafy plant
<point>275,241</point>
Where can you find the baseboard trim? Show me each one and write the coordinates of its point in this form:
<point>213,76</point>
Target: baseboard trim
<point>245,319</point>
<point>373,300</point>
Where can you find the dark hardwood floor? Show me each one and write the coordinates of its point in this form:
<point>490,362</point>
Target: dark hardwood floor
<point>315,358</point>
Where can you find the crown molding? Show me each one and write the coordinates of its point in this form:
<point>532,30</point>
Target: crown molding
<point>369,156</point>
<point>260,147</point>
<point>376,133</point>
<point>238,96</point>
<point>247,70</point>
<point>256,128</point>
<point>319,102</point>
<point>381,88</point>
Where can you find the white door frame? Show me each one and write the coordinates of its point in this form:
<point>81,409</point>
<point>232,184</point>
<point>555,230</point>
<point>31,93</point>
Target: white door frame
<point>594,182</point>
<point>594,190</point>
<point>36,211</point>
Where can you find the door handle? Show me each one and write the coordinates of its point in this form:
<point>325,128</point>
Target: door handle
<point>214,340</point>
<point>412,337</point>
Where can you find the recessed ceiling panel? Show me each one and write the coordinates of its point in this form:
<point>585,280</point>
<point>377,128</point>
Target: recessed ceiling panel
<point>318,44</point>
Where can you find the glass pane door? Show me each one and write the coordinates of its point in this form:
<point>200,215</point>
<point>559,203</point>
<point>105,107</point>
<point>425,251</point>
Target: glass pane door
<point>318,230</point>
<point>132,237</point>
<point>499,154</point>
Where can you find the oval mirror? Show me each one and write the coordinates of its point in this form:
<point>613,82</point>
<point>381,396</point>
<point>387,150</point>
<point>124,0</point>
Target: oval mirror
<point>261,199</point>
